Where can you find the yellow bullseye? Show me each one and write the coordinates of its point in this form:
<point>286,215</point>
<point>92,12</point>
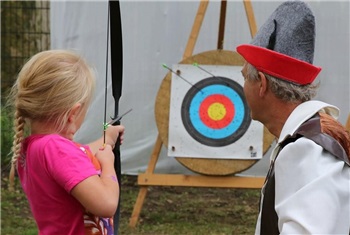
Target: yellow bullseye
<point>216,111</point>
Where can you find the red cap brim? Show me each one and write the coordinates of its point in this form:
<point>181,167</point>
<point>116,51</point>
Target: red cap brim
<point>279,65</point>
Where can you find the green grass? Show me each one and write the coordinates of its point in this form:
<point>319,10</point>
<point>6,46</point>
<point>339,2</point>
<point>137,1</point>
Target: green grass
<point>166,210</point>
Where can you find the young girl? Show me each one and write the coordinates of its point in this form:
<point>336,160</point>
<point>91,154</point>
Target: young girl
<point>51,95</point>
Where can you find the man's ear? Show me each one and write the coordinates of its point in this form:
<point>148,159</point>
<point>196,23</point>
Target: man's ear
<point>74,112</point>
<point>263,84</point>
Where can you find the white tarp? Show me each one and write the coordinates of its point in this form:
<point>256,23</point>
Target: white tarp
<point>156,32</point>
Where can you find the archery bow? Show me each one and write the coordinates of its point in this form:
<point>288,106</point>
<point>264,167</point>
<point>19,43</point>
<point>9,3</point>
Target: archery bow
<point>117,78</point>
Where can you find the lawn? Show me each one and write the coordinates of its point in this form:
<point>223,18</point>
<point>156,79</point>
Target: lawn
<point>166,210</point>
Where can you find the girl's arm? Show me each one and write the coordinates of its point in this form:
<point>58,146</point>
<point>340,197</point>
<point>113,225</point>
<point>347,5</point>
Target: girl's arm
<point>100,194</point>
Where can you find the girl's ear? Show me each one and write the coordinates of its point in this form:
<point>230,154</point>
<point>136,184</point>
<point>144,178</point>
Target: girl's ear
<point>74,112</point>
<point>263,84</point>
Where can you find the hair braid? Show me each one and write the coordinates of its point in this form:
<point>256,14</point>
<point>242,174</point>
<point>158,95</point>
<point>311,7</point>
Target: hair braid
<point>19,123</point>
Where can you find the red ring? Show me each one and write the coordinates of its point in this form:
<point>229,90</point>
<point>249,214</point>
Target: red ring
<point>216,124</point>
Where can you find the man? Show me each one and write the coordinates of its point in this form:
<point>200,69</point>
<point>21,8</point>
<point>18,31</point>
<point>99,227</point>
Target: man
<point>307,190</point>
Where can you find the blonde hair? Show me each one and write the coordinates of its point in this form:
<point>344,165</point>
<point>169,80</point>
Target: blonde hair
<point>46,89</point>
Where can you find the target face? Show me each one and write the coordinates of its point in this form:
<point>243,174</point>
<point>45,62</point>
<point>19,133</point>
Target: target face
<point>209,116</point>
<point>214,111</point>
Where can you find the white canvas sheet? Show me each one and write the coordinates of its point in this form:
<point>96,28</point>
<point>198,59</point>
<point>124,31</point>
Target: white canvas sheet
<point>156,32</point>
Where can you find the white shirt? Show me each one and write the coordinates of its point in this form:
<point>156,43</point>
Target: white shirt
<point>312,188</point>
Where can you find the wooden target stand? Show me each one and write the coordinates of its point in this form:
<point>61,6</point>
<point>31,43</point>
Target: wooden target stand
<point>212,172</point>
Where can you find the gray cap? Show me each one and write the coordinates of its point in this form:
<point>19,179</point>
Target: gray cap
<point>284,45</point>
<point>290,30</point>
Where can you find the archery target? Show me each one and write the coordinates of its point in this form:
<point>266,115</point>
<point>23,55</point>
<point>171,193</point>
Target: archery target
<point>209,116</point>
<point>214,111</point>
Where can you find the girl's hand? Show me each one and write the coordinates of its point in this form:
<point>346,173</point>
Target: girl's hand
<point>112,134</point>
<point>105,155</point>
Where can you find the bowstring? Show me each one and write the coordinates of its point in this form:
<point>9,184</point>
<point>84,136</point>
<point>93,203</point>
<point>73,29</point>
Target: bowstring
<point>105,124</point>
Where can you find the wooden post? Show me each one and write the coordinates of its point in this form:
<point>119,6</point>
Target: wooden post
<point>222,25</point>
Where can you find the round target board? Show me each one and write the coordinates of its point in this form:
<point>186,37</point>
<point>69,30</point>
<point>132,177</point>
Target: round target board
<point>209,116</point>
<point>206,166</point>
<point>214,111</point>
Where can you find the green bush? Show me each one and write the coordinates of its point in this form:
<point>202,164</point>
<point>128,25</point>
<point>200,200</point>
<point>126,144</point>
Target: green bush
<point>6,136</point>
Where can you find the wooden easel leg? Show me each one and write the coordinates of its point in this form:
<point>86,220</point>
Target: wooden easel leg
<point>250,16</point>
<point>222,24</point>
<point>143,189</point>
<point>196,28</point>
<point>138,206</point>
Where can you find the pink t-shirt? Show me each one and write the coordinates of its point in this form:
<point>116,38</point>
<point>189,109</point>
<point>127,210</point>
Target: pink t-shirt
<point>50,166</point>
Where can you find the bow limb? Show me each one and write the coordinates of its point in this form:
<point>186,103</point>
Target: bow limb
<point>117,78</point>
